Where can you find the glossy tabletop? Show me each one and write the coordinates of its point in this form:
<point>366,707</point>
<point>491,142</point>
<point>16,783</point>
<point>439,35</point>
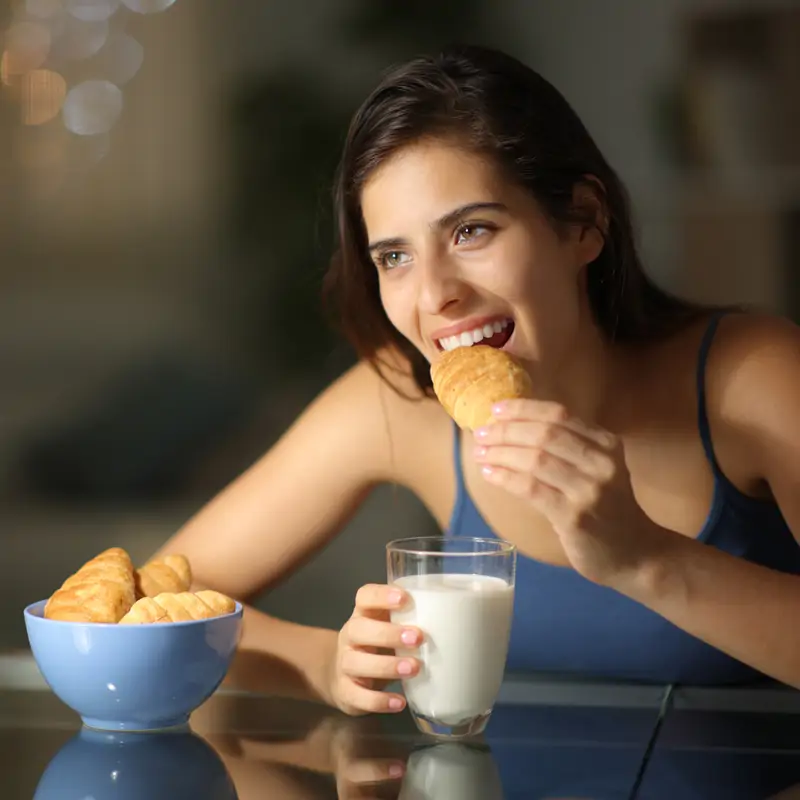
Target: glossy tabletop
<point>548,738</point>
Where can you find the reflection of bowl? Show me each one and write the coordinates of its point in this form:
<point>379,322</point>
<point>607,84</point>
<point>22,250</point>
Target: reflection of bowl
<point>133,677</point>
<point>135,766</point>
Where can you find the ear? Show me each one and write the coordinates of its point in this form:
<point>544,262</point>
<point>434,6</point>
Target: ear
<point>589,201</point>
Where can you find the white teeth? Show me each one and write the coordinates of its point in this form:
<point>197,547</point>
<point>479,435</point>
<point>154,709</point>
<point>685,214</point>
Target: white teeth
<point>468,338</point>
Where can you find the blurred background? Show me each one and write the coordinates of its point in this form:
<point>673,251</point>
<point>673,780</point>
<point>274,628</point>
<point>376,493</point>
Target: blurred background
<point>165,222</point>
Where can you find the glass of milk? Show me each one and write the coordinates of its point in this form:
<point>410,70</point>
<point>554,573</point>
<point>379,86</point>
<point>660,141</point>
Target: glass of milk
<point>462,598</point>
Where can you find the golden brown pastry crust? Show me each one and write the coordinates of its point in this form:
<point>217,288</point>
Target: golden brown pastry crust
<point>179,607</point>
<point>169,574</point>
<point>468,381</point>
<point>102,590</point>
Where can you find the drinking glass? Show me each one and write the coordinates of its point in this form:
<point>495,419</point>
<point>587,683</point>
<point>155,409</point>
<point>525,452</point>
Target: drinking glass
<point>462,599</point>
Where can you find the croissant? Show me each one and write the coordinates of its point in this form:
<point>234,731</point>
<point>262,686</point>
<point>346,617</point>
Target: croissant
<point>102,590</point>
<point>178,607</point>
<point>468,381</point>
<point>168,574</point>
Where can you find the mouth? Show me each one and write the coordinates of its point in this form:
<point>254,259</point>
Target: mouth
<point>494,334</point>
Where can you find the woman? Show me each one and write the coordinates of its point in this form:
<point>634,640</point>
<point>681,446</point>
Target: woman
<point>652,486</point>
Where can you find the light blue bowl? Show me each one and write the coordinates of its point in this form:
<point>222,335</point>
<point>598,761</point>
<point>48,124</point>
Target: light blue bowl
<point>133,677</point>
<point>135,766</point>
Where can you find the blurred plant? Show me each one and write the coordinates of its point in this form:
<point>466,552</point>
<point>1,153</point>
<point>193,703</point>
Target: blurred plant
<point>288,128</point>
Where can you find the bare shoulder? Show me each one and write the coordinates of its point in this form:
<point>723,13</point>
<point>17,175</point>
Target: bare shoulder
<point>393,420</point>
<point>752,381</point>
<point>751,366</point>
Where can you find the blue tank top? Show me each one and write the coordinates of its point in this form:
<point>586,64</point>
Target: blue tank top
<point>565,623</point>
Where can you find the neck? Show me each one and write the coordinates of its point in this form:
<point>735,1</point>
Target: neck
<point>589,380</point>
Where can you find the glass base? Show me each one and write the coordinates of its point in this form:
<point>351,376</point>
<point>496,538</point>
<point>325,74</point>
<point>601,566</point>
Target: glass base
<point>464,729</point>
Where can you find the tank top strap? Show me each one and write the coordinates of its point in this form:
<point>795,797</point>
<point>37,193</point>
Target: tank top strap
<point>702,412</point>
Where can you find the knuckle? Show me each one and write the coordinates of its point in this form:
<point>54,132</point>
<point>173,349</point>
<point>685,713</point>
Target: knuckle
<point>606,468</point>
<point>366,594</point>
<point>591,495</point>
<point>558,413</point>
<point>546,434</point>
<point>346,661</point>
<point>355,629</point>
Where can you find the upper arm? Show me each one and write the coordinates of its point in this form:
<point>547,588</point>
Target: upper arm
<point>298,495</point>
<point>760,400</point>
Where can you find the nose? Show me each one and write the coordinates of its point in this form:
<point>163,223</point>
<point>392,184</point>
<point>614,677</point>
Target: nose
<point>440,284</point>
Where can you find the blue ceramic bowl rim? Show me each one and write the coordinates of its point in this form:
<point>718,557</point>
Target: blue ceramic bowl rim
<point>29,613</point>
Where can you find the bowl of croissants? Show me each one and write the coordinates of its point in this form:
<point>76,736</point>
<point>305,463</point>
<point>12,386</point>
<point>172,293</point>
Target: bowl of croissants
<point>133,649</point>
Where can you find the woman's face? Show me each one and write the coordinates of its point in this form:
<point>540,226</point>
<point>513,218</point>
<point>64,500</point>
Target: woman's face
<point>464,256</point>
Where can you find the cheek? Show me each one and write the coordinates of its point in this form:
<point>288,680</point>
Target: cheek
<point>397,309</point>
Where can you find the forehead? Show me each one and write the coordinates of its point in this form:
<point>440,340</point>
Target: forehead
<point>424,181</point>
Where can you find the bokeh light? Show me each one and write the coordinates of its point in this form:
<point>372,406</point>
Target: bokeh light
<point>148,6</point>
<point>42,94</point>
<point>120,59</point>
<point>92,107</point>
<point>27,45</point>
<point>43,9</point>
<point>80,39</point>
<point>92,10</point>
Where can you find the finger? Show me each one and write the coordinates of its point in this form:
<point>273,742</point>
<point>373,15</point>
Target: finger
<point>359,698</point>
<point>359,664</point>
<point>566,444</point>
<point>539,465</point>
<point>546,498</point>
<point>550,414</point>
<point>370,771</point>
<point>379,596</point>
<point>368,632</point>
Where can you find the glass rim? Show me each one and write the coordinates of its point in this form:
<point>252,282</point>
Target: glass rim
<point>500,547</point>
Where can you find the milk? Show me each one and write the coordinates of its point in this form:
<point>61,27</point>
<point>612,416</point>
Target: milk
<point>466,623</point>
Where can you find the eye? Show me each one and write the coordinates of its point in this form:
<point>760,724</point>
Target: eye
<point>391,259</point>
<point>469,232</point>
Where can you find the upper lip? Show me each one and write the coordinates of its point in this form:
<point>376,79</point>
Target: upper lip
<point>469,324</point>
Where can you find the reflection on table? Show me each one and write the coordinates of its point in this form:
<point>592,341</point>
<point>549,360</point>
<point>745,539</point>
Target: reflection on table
<point>248,747</point>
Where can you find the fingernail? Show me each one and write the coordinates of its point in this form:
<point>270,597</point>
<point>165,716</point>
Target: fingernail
<point>404,667</point>
<point>395,597</point>
<point>487,471</point>
<point>408,637</point>
<point>396,771</point>
<point>498,408</point>
<point>480,452</point>
<point>481,433</point>
<point>396,704</point>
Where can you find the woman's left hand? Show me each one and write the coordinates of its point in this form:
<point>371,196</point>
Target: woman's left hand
<point>576,476</point>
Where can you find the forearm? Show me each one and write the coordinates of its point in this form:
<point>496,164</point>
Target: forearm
<point>282,658</point>
<point>745,610</point>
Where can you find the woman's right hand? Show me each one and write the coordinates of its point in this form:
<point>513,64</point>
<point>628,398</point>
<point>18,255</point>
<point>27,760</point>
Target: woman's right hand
<point>365,661</point>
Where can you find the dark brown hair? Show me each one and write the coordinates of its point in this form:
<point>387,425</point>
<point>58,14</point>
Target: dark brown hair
<point>498,107</point>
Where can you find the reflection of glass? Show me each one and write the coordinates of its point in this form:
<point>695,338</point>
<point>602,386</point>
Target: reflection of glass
<point>462,598</point>
<point>452,771</point>
<point>135,766</point>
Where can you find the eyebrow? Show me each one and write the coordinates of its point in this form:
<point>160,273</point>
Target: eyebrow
<point>445,221</point>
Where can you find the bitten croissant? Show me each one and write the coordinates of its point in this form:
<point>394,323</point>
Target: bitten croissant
<point>468,381</point>
<point>168,574</point>
<point>102,590</point>
<point>179,607</point>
